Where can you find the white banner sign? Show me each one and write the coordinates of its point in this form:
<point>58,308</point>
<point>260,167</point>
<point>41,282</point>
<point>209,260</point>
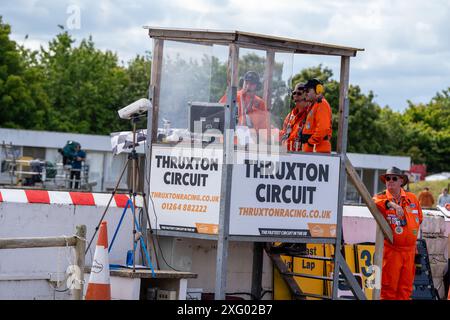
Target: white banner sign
<point>185,189</point>
<point>292,195</point>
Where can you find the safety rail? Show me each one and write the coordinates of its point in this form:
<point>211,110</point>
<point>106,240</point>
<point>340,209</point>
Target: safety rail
<point>78,241</point>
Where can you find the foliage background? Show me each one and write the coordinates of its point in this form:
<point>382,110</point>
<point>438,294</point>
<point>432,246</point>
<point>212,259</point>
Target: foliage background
<point>78,88</point>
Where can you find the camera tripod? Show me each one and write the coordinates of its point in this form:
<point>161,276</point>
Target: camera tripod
<point>131,203</point>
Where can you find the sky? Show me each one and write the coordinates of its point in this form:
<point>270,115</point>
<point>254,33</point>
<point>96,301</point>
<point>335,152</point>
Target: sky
<point>406,42</point>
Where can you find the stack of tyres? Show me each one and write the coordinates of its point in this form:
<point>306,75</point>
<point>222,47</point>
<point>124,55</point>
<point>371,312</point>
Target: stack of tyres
<point>423,288</point>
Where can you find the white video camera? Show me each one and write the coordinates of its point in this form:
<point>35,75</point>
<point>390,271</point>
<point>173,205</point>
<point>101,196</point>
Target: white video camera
<point>135,109</point>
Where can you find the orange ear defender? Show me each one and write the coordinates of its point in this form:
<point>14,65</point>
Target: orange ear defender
<point>319,89</point>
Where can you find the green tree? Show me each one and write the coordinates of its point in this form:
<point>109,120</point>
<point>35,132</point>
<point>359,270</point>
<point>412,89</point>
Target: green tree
<point>86,86</point>
<point>218,79</point>
<point>80,88</point>
<point>23,102</point>
<point>138,78</point>
<point>364,130</point>
<point>428,132</point>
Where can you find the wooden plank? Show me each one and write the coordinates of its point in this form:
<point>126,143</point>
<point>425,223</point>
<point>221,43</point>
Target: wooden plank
<point>233,66</point>
<point>290,40</point>
<point>155,83</point>
<point>367,198</point>
<point>296,46</point>
<point>252,39</point>
<point>378,261</point>
<point>41,242</point>
<point>159,274</point>
<point>80,247</point>
<point>343,103</point>
<point>201,42</point>
<point>145,273</point>
<point>268,75</point>
<point>191,34</point>
<point>342,150</point>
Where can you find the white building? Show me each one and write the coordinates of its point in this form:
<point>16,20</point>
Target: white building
<point>104,168</point>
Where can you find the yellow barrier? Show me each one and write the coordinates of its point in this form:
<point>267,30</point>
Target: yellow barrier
<point>358,257</point>
<point>280,288</point>
<point>311,267</point>
<point>364,260</point>
<point>349,254</point>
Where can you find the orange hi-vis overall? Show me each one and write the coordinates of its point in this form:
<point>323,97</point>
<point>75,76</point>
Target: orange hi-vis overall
<point>398,258</point>
<point>292,127</point>
<point>253,107</point>
<point>319,126</point>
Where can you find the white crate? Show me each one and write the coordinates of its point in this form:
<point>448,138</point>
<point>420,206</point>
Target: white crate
<point>433,224</point>
<point>437,245</point>
<point>438,269</point>
<point>438,284</point>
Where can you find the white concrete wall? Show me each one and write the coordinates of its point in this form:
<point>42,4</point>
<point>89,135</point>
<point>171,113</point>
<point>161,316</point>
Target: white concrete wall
<point>40,220</point>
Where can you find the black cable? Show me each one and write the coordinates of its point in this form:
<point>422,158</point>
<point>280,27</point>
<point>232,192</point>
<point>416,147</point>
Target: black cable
<point>157,237</point>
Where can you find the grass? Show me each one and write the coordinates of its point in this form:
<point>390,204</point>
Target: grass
<point>435,187</point>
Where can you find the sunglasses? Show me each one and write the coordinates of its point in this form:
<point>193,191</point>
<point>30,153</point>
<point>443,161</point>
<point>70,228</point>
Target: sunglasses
<point>391,178</point>
<point>297,93</point>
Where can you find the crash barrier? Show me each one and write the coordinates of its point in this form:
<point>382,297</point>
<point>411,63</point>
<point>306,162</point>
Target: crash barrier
<point>65,198</point>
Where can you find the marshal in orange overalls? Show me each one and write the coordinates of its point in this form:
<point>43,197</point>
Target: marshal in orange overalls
<point>252,106</point>
<point>398,258</point>
<point>292,127</point>
<point>319,127</point>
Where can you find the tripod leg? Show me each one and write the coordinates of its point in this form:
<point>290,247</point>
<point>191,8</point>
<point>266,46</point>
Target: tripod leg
<point>107,207</point>
<point>119,224</point>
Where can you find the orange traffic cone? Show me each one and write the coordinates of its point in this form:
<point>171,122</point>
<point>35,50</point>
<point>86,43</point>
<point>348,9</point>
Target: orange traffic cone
<point>99,287</point>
